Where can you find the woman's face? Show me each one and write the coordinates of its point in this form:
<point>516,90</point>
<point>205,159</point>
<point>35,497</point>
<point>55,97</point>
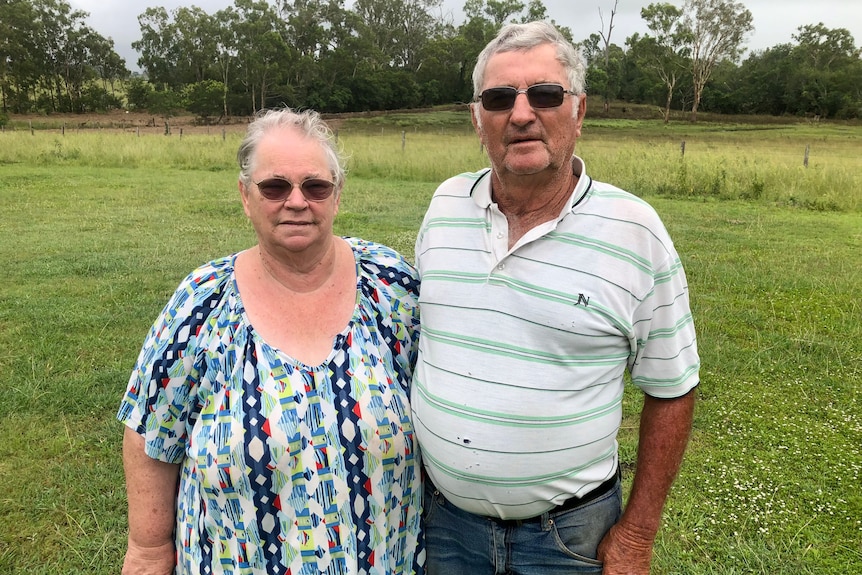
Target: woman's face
<point>294,223</point>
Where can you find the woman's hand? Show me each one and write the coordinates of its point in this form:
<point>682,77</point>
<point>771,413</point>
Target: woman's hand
<point>150,560</point>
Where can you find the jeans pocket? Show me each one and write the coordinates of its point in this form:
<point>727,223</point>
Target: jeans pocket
<point>572,543</point>
<point>577,533</point>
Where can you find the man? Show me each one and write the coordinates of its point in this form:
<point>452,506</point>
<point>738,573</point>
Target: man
<point>540,288</point>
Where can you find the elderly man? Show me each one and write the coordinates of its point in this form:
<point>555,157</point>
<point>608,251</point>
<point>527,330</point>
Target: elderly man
<point>541,287</point>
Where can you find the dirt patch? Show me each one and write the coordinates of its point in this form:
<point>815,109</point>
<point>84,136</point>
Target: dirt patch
<point>128,121</point>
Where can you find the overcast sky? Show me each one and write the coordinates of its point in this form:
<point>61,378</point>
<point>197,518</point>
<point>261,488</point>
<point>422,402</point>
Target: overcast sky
<point>775,21</point>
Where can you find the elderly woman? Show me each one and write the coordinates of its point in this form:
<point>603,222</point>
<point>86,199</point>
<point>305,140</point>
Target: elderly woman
<point>267,419</point>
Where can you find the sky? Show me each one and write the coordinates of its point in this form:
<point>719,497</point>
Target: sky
<point>775,21</point>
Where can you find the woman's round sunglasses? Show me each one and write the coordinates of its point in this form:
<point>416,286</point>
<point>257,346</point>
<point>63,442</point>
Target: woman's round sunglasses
<point>279,189</point>
<point>538,95</point>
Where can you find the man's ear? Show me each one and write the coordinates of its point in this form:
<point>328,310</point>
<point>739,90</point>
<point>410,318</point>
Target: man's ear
<point>582,110</point>
<point>477,123</point>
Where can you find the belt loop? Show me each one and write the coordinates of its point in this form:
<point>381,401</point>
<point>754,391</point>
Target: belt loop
<point>546,522</point>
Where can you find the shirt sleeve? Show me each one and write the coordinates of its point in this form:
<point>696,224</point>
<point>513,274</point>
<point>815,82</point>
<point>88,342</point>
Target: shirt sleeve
<point>666,362</point>
<point>160,402</point>
<point>396,297</point>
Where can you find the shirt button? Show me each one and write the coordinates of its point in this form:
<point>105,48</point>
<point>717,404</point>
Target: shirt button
<point>501,266</point>
<point>499,235</point>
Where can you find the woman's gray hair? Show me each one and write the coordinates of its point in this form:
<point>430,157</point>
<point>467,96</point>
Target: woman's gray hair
<point>514,37</point>
<point>307,122</point>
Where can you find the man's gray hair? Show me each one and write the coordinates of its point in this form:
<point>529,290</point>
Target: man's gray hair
<point>307,122</point>
<point>514,37</point>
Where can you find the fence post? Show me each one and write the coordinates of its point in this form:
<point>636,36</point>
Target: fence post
<point>32,133</point>
<point>807,150</point>
<point>682,148</point>
<point>403,139</point>
<point>222,134</point>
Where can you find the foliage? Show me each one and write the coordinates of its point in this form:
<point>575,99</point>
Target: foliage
<point>338,56</point>
<point>204,99</point>
<point>49,57</point>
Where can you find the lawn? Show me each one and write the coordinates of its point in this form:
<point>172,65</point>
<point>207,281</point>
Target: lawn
<point>97,228</point>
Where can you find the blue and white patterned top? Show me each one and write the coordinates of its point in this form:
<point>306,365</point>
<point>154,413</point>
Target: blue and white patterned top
<point>286,467</point>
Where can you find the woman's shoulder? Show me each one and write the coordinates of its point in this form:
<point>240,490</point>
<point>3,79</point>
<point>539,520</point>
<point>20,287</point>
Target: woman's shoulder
<point>208,279</point>
<point>382,262</point>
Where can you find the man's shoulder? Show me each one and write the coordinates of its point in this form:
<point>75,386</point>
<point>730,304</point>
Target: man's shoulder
<point>610,199</point>
<point>461,184</point>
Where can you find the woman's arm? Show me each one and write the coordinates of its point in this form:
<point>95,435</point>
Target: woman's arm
<point>151,488</point>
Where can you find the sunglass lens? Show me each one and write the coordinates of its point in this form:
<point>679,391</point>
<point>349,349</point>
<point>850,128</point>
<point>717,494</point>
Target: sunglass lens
<point>275,189</point>
<point>496,99</point>
<point>317,190</point>
<point>545,95</point>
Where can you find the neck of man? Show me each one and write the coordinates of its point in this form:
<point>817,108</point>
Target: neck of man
<point>533,198</point>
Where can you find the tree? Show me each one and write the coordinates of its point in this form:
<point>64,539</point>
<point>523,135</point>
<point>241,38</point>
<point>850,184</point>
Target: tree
<point>500,10</point>
<point>536,10</point>
<point>157,47</point>
<point>828,72</point>
<point>664,51</point>
<point>715,30</point>
<point>261,49</point>
<point>18,53</point>
<point>606,53</point>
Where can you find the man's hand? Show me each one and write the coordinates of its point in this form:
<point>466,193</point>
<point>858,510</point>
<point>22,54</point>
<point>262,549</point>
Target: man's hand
<point>625,551</point>
<point>150,560</point>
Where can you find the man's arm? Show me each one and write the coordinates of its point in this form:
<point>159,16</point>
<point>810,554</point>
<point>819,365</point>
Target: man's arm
<point>151,488</point>
<point>665,427</point>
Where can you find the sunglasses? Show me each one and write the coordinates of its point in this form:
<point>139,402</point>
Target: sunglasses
<point>279,189</point>
<point>539,96</point>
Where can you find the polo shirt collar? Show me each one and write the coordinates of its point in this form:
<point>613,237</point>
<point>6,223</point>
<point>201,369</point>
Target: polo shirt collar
<point>481,191</point>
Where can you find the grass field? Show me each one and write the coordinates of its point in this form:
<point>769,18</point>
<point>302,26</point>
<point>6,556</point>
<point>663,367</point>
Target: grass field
<point>97,228</point>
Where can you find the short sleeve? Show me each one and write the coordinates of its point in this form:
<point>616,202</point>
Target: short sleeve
<point>666,363</point>
<point>393,285</point>
<point>160,402</point>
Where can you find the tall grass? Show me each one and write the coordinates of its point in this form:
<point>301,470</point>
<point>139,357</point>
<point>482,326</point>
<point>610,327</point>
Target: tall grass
<point>97,229</point>
<point>720,162</point>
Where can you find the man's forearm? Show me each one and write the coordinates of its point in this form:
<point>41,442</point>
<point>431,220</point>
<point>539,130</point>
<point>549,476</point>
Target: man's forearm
<point>665,427</point>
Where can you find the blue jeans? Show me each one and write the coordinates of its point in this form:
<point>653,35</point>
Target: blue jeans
<point>562,543</point>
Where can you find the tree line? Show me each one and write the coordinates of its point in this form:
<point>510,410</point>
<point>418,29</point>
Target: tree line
<point>397,54</point>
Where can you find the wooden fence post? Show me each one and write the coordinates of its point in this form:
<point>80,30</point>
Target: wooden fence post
<point>807,150</point>
<point>682,148</point>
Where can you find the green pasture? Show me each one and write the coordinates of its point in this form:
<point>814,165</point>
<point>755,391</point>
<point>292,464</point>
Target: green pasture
<point>98,227</point>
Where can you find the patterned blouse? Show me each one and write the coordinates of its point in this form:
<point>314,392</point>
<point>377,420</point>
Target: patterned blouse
<point>286,468</point>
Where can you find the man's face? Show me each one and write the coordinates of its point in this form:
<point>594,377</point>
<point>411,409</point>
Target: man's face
<point>525,140</point>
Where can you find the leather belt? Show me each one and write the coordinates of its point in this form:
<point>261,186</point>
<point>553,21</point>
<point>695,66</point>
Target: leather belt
<point>569,504</point>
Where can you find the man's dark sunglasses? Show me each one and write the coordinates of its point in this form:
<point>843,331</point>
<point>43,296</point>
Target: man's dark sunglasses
<point>539,96</point>
<point>279,189</point>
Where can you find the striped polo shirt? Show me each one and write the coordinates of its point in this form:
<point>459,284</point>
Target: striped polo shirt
<point>517,395</point>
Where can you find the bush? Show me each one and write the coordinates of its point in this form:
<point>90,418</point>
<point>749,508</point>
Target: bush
<point>205,99</point>
<point>138,93</point>
<point>97,99</point>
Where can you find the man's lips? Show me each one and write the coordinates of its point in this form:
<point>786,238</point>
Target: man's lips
<point>524,139</point>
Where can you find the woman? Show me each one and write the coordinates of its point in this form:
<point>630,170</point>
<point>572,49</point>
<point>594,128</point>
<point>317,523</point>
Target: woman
<point>267,417</point>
